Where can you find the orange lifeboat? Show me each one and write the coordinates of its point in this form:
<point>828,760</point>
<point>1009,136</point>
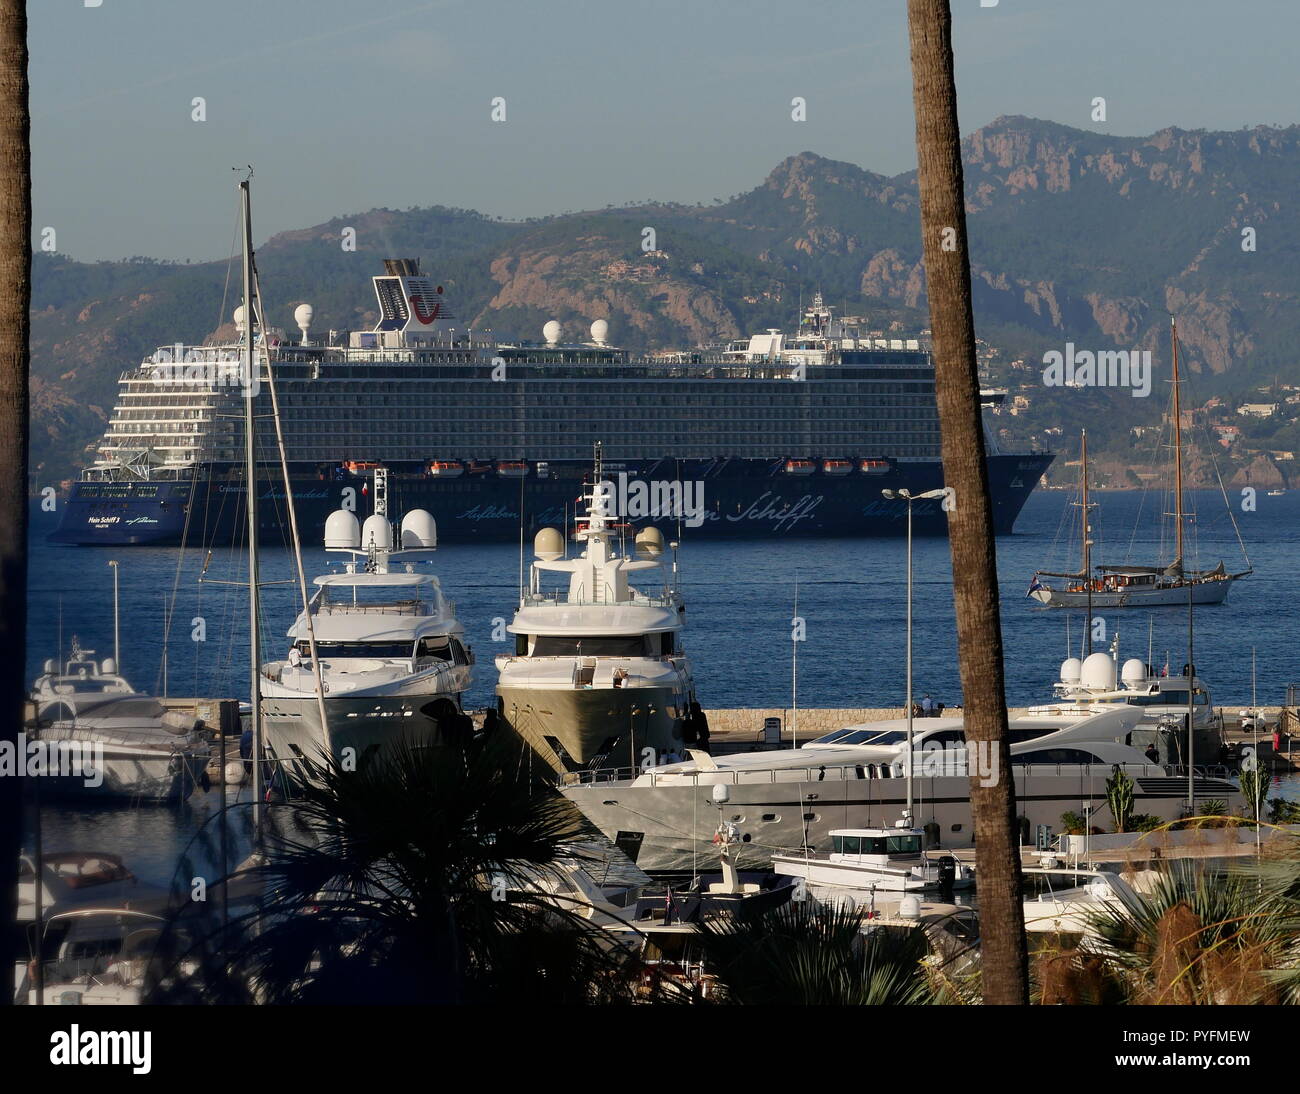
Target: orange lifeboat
<point>799,467</point>
<point>445,469</point>
<point>361,467</point>
<point>512,469</point>
<point>837,467</point>
<point>873,467</point>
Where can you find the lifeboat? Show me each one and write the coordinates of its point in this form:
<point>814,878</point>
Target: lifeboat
<point>445,469</point>
<point>873,467</point>
<point>512,469</point>
<point>799,467</point>
<point>361,467</point>
<point>837,467</point>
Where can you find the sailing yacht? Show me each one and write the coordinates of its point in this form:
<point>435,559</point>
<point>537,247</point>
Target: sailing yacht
<point>378,653</point>
<point>598,675</point>
<point>1136,586</point>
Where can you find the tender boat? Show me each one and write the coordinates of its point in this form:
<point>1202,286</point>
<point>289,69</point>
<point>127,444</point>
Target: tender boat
<point>1065,900</point>
<point>886,859</point>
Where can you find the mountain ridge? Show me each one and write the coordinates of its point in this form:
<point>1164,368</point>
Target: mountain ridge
<point>1075,235</point>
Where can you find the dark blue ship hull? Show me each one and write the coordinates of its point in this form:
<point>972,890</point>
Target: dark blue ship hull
<point>742,499</point>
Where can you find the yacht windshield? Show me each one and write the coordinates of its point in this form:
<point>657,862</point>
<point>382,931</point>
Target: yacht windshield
<point>876,845</point>
<point>618,645</point>
<point>1167,699</point>
<point>342,599</point>
<point>401,650</point>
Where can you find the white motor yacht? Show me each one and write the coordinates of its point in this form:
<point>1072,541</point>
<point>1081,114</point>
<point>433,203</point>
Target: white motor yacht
<point>790,799</point>
<point>390,657</point>
<point>104,739</point>
<point>598,676</point>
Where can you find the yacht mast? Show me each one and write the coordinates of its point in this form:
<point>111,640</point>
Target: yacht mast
<point>1178,449</point>
<point>250,492</point>
<point>1087,545</point>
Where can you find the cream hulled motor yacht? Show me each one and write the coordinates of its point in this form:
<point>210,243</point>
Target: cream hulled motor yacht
<point>598,676</point>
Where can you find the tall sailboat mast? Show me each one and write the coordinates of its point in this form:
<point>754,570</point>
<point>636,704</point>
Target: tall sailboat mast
<point>1178,448</point>
<point>1087,544</point>
<point>250,492</point>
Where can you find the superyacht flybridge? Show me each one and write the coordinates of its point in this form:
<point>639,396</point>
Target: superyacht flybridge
<point>787,435</point>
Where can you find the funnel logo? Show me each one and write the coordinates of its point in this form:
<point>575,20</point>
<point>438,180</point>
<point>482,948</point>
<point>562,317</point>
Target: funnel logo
<point>424,307</point>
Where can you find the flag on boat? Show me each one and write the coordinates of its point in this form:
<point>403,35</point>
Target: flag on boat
<point>1034,586</point>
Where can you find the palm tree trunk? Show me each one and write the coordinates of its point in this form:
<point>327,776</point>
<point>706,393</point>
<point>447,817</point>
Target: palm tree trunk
<point>15,299</point>
<point>970,520</point>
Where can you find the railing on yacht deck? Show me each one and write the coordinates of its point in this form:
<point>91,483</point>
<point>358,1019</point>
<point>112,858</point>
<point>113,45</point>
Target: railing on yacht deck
<point>859,772</point>
<point>604,595</point>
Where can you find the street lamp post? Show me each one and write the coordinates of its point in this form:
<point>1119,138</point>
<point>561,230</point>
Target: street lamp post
<point>117,637</point>
<point>909,497</point>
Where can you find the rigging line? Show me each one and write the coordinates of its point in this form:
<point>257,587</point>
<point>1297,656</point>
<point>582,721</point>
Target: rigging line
<point>230,262</point>
<point>288,495</point>
<point>169,612</point>
<point>1146,490</point>
<point>1228,506</point>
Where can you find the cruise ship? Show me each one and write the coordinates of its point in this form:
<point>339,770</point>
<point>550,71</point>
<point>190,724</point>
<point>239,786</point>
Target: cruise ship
<point>774,436</point>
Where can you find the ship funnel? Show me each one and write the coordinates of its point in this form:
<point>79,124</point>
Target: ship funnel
<point>377,533</point>
<point>419,531</point>
<point>342,532</point>
<point>548,544</point>
<point>649,543</point>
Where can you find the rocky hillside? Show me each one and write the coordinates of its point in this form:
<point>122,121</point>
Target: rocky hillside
<point>1074,236</point>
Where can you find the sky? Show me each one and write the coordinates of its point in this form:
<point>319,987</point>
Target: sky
<point>346,105</point>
